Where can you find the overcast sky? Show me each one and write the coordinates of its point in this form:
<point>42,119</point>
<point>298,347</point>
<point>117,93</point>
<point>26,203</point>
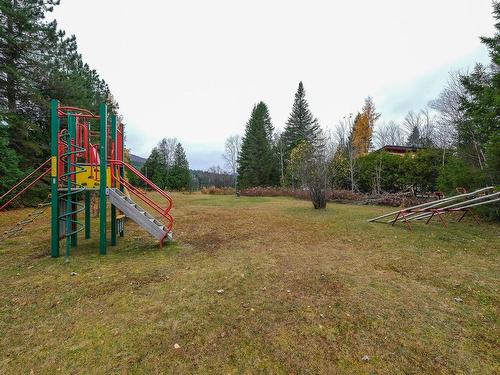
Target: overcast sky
<point>194,69</point>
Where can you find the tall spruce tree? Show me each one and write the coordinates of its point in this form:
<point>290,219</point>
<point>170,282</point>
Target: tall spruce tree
<point>179,177</point>
<point>301,124</point>
<point>154,168</point>
<point>414,139</point>
<point>257,162</point>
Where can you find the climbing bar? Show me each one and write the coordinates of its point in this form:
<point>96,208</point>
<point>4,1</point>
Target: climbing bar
<point>44,172</point>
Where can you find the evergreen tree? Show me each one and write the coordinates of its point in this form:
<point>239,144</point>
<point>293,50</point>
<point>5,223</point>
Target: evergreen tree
<point>9,162</point>
<point>38,62</point>
<point>257,162</point>
<point>154,169</point>
<point>179,177</point>
<point>22,55</point>
<point>24,32</point>
<point>301,124</point>
<point>480,127</point>
<point>414,139</point>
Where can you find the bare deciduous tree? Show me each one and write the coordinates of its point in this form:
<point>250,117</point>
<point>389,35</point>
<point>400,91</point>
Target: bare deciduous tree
<point>311,164</point>
<point>420,127</point>
<point>166,148</point>
<point>412,120</point>
<point>280,148</point>
<point>449,112</point>
<point>427,130</point>
<point>389,133</point>
<point>330,142</point>
<point>231,152</point>
<point>343,133</point>
<point>448,103</point>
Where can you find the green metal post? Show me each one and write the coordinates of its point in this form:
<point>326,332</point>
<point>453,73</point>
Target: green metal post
<point>87,214</point>
<point>113,208</point>
<point>122,172</point>
<point>87,192</point>
<point>54,135</point>
<point>74,219</point>
<point>70,205</point>
<point>103,155</point>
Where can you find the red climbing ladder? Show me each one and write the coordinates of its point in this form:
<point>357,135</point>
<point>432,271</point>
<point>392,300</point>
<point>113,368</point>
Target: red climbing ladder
<point>23,185</point>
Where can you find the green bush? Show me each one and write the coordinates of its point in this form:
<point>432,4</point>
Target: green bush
<point>388,168</point>
<point>493,158</point>
<point>456,173</point>
<point>422,169</point>
<point>398,173</point>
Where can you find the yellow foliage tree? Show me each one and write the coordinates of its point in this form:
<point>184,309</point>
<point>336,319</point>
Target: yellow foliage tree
<point>362,135</point>
<point>363,127</point>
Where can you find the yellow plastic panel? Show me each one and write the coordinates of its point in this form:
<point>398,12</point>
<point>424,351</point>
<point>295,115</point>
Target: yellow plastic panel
<point>89,177</point>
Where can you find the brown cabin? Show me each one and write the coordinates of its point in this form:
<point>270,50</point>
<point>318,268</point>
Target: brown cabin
<point>399,150</point>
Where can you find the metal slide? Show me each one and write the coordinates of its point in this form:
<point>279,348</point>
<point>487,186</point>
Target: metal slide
<point>138,214</point>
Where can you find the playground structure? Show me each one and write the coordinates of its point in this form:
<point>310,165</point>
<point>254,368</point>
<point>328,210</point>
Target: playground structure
<point>83,162</point>
<point>462,203</point>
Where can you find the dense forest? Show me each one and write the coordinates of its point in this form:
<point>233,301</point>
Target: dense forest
<point>38,62</point>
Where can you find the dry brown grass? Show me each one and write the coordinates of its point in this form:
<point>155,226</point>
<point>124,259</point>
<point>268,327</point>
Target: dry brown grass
<point>304,292</point>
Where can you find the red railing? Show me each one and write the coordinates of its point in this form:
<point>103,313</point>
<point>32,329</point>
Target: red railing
<point>163,211</point>
<point>37,178</point>
<point>79,112</point>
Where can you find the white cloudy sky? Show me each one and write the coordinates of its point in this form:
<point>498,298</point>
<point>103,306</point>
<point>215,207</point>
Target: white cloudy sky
<point>193,69</point>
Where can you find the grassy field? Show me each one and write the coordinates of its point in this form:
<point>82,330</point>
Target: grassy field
<point>305,292</point>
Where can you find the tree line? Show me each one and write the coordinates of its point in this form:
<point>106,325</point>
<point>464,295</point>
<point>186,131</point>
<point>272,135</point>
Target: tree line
<point>38,61</point>
<point>455,139</point>
<point>167,166</point>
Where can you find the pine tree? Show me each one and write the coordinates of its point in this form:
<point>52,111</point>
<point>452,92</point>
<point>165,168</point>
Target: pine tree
<point>481,104</point>
<point>257,162</point>
<point>179,177</point>
<point>38,62</point>
<point>154,169</point>
<point>23,50</point>
<point>9,162</point>
<point>414,139</point>
<point>301,124</point>
<point>24,32</point>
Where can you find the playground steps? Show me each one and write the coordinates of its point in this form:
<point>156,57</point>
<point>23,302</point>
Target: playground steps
<point>137,214</point>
